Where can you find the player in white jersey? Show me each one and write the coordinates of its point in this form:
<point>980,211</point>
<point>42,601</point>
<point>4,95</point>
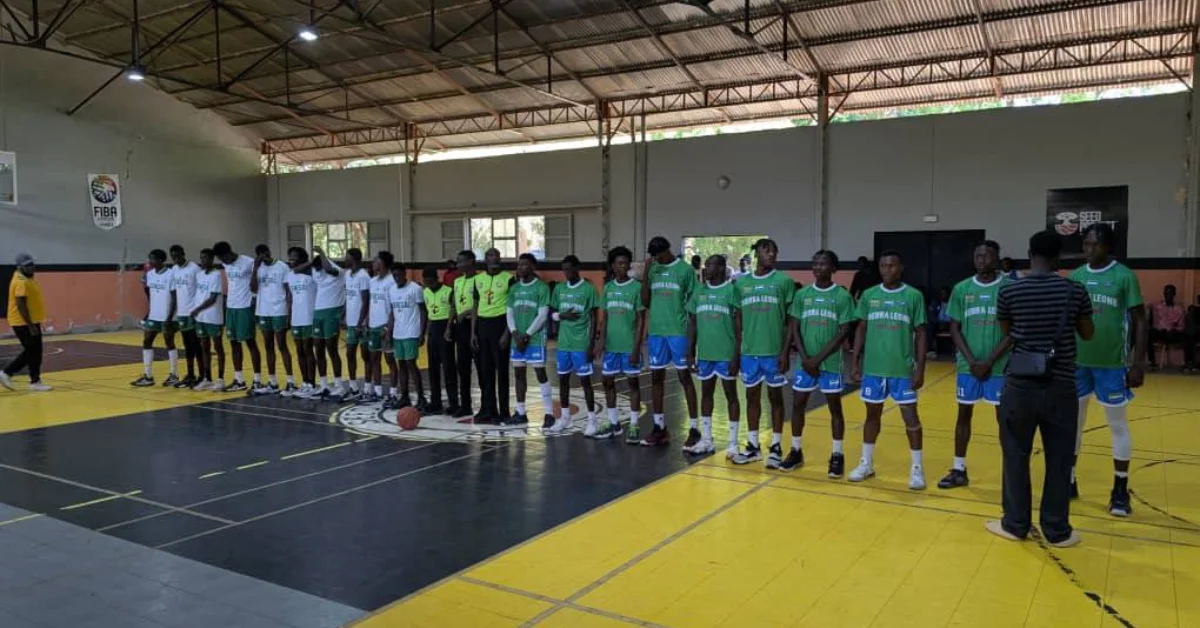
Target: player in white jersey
<point>183,282</point>
<point>379,342</point>
<point>302,301</point>
<point>327,322</point>
<point>239,312</point>
<point>159,319</point>
<point>407,320</point>
<point>208,313</point>
<point>271,310</point>
<point>358,297</point>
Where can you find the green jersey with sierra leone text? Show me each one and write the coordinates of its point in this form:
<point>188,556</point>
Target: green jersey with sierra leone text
<point>891,317</point>
<point>714,308</point>
<point>765,300</point>
<point>671,287</point>
<point>973,306</point>
<point>574,335</point>
<point>622,302</point>
<point>819,314</point>
<point>1113,290</point>
<point>525,299</point>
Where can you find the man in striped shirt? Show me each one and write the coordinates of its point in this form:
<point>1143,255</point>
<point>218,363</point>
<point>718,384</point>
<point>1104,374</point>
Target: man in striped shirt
<point>1039,313</point>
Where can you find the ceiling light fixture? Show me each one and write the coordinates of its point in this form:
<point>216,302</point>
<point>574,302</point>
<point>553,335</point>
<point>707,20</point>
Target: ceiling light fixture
<point>135,73</point>
<point>309,33</point>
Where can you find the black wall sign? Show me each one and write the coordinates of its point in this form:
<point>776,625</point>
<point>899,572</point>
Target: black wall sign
<point>1070,210</point>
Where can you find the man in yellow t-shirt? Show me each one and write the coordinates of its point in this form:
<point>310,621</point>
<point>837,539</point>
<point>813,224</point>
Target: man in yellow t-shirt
<point>26,313</point>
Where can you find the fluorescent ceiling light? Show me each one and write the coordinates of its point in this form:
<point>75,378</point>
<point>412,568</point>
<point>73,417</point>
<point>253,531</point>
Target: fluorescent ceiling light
<point>309,33</point>
<point>136,74</point>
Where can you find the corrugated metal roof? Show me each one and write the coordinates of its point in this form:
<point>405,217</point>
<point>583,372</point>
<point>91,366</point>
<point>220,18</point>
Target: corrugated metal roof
<point>383,71</point>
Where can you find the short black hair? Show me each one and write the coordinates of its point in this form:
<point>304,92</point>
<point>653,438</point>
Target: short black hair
<point>991,244</point>
<point>765,242</point>
<point>301,254</point>
<point>657,245</point>
<point>571,259</point>
<point>207,252</point>
<point>221,249</point>
<point>467,253</point>
<point>890,253</point>
<point>1045,244</point>
<point>1007,259</point>
<point>717,256</point>
<point>355,254</point>
<point>175,248</point>
<point>386,257</point>
<point>1104,233</point>
<point>158,254</point>
<point>529,256</point>
<point>397,266</point>
<point>262,249</point>
<point>619,251</point>
<point>830,255</point>
<point>429,272</point>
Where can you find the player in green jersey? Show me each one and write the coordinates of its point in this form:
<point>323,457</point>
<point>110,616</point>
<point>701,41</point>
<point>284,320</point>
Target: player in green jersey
<point>982,350</point>
<point>574,304</point>
<point>621,328</point>
<point>1102,369</point>
<point>667,284</point>
<point>714,350</point>
<point>528,313</point>
<point>764,296</point>
<point>889,352</point>
<point>819,323</point>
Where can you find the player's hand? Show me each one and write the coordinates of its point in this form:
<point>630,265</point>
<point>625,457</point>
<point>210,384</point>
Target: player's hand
<point>447,335</point>
<point>811,366</point>
<point>783,361</point>
<point>855,373</point>
<point>918,380</point>
<point>1136,376</point>
<point>635,358</point>
<point>981,370</point>
<point>505,339</point>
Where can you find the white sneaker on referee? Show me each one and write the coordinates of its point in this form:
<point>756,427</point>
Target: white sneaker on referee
<point>6,381</point>
<point>916,479</point>
<point>863,471</point>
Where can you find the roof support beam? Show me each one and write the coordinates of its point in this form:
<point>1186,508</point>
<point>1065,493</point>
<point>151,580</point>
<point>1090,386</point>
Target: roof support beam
<point>987,46</point>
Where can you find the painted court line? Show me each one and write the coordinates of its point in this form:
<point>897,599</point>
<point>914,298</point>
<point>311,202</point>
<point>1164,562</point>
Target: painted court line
<point>100,501</point>
<point>317,450</point>
<point>251,465</point>
<point>135,498</point>
<point>678,534</point>
<point>562,603</point>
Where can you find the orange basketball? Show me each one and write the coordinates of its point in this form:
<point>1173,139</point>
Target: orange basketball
<point>408,418</point>
<point>558,409</point>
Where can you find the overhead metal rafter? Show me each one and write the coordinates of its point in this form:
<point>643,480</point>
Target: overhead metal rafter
<point>1161,44</point>
<point>987,46</point>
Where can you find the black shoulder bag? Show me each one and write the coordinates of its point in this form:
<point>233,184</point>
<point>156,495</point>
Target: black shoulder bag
<point>1038,364</point>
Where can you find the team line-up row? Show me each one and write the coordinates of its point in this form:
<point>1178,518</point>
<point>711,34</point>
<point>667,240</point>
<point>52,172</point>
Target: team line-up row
<point>715,327</point>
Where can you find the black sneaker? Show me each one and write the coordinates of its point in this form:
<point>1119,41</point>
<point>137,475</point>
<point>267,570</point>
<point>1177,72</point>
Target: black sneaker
<point>188,382</point>
<point>837,466</point>
<point>516,420</point>
<point>753,453</point>
<point>462,412</point>
<point>1118,502</point>
<point>548,421</point>
<point>142,382</point>
<point>171,381</point>
<point>434,408</point>
<point>451,410</point>
<point>774,457</point>
<point>954,479</point>
<point>1074,489</point>
<point>403,401</point>
<point>237,387</point>
<point>422,406</point>
<point>694,437</point>
<point>793,461</point>
<point>485,418</point>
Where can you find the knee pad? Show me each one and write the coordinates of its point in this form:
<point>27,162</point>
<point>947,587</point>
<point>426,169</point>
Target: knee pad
<point>1118,424</point>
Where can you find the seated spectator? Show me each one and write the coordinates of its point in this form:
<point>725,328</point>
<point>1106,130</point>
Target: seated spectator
<point>1168,327</point>
<point>939,319</point>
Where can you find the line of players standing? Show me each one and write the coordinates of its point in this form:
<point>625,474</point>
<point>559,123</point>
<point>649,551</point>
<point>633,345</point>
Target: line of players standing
<point>718,329</point>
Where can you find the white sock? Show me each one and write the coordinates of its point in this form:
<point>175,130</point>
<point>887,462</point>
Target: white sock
<point>257,378</point>
<point>173,359</point>
<point>566,414</point>
<point>237,377</point>
<point>547,396</point>
<point>776,438</point>
<point>733,434</point>
<point>323,382</point>
<point>147,361</point>
<point>337,382</point>
<point>1118,424</point>
<point>613,416</point>
<point>659,421</point>
<point>394,392</point>
<point>839,447</point>
<point>960,463</point>
<point>796,443</point>
<point>379,391</point>
<point>591,416</point>
<point>706,427</point>
<point>291,380</point>
<point>633,417</point>
<point>694,424</point>
<point>1083,410</point>
<point>521,407</point>
<point>868,454</point>
<point>273,379</point>
<point>752,437</point>
<point>918,457</point>
<point>354,385</point>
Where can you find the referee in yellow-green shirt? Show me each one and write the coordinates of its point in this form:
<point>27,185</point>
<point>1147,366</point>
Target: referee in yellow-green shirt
<point>491,332</point>
<point>440,344</point>
<point>26,313</point>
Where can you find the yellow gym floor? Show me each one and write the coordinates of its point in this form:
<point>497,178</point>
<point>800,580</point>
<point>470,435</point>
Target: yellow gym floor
<point>717,545</point>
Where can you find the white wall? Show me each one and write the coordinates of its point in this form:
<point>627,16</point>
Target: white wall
<point>356,194</point>
<point>187,177</point>
<point>991,170</point>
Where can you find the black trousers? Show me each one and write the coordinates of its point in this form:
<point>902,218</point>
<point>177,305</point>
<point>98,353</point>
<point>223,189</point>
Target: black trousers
<point>465,357</point>
<point>441,364</point>
<point>1027,406</point>
<point>1171,337</point>
<point>30,356</point>
<point>493,366</point>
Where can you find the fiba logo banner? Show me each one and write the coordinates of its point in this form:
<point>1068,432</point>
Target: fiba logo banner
<point>1070,211</point>
<point>104,196</point>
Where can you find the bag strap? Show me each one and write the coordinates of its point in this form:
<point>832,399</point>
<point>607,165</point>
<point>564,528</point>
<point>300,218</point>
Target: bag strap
<point>1062,318</point>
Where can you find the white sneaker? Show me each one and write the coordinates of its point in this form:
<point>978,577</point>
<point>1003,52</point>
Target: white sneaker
<point>863,471</point>
<point>40,387</point>
<point>560,426</point>
<point>203,386</point>
<point>732,452</point>
<point>916,479</point>
<point>6,381</point>
<point>702,447</point>
<point>591,429</point>
<point>217,386</point>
